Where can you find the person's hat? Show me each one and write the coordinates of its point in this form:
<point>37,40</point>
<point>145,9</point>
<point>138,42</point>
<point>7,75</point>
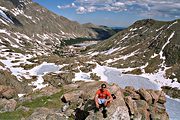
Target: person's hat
<point>103,85</point>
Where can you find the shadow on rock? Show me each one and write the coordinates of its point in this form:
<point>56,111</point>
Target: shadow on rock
<point>81,114</point>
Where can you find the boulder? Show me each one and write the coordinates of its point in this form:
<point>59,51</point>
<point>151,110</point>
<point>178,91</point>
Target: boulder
<point>141,104</point>
<point>162,98</point>
<point>160,108</point>
<point>85,93</point>
<point>130,91</point>
<point>131,105</point>
<point>56,116</point>
<point>143,109</point>
<point>145,95</point>
<point>154,96</point>
<point>23,108</point>
<point>121,113</point>
<point>72,96</point>
<point>39,114</point>
<point>79,104</point>
<point>7,105</point>
<point>7,92</point>
<point>46,114</point>
<point>130,88</point>
<point>159,116</point>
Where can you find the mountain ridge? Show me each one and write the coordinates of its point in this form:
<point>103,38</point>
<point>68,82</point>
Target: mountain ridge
<point>148,46</point>
<point>29,24</point>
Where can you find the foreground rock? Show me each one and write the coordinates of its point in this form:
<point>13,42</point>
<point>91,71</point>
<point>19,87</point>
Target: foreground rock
<point>7,105</point>
<point>7,92</point>
<point>129,103</point>
<point>77,103</point>
<point>149,106</point>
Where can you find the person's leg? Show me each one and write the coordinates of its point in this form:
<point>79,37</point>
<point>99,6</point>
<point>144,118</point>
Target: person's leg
<point>104,111</point>
<point>99,103</point>
<point>96,102</point>
<point>107,103</point>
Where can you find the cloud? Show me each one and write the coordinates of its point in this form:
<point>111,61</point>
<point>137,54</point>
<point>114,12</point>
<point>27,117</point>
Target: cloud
<point>81,10</point>
<point>165,8</point>
<point>72,5</point>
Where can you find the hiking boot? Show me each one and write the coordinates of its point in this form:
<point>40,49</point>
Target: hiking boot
<point>104,112</point>
<point>96,110</point>
<point>104,115</point>
<point>104,108</point>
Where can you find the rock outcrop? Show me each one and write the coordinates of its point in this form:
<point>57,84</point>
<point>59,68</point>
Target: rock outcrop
<point>7,92</point>
<point>76,101</point>
<point>129,103</point>
<point>7,103</point>
<point>149,106</point>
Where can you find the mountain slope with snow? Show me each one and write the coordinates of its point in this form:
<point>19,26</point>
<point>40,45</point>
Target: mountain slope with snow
<point>147,47</point>
<point>28,26</point>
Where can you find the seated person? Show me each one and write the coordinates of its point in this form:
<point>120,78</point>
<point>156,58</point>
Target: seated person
<point>103,97</point>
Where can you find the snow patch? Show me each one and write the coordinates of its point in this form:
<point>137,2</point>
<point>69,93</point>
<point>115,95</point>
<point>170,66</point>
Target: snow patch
<point>129,55</point>
<point>3,22</point>
<point>141,27</point>
<point>39,83</point>
<point>160,28</point>
<point>168,41</point>
<point>111,51</point>
<point>3,8</point>
<point>21,95</point>
<point>133,29</point>
<point>94,53</point>
<point>126,36</point>
<point>99,70</point>
<point>155,55</point>
<point>172,24</point>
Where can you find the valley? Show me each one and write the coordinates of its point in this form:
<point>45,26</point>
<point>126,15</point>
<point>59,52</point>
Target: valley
<point>44,56</point>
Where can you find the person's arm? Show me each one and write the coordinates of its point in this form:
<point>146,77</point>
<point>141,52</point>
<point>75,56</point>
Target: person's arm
<point>96,100</point>
<point>110,98</point>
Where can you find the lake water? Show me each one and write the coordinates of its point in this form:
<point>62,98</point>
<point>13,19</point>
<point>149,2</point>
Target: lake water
<point>47,68</point>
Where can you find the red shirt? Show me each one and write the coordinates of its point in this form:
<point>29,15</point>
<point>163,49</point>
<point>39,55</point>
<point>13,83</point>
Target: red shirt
<point>103,94</point>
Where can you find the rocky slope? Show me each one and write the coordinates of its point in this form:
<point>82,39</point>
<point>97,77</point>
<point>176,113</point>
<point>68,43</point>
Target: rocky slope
<point>28,26</point>
<point>27,32</point>
<point>104,32</point>
<point>147,46</point>
<point>75,101</point>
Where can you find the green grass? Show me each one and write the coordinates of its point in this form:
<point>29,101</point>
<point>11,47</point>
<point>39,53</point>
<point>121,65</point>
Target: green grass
<point>29,66</point>
<point>15,115</point>
<point>52,101</point>
<point>16,50</point>
<point>126,94</point>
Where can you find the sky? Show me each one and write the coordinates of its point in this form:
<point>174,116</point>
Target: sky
<point>114,13</point>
